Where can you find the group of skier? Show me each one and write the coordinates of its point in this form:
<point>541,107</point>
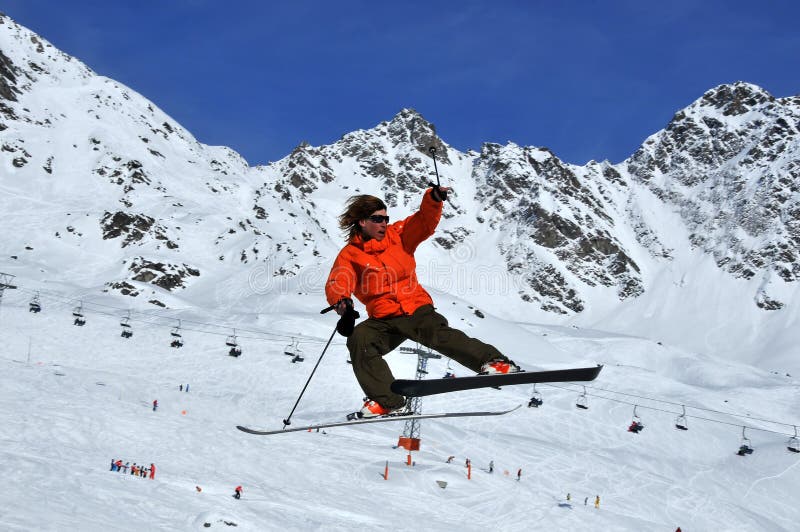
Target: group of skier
<point>136,470</point>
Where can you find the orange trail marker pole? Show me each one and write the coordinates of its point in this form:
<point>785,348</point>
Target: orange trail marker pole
<point>386,471</point>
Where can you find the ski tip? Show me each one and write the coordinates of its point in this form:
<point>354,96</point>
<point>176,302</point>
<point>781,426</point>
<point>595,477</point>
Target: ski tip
<point>247,429</point>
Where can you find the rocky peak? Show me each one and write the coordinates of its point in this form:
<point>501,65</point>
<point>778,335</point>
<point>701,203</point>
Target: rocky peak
<point>410,127</point>
<point>736,98</point>
<point>730,162</point>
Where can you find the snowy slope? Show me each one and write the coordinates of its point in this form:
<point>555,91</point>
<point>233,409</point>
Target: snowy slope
<point>79,396</point>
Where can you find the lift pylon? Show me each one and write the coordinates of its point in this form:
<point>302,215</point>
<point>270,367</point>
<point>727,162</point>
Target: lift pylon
<point>410,439</point>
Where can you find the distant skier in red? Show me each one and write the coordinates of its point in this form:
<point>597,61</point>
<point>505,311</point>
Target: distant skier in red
<point>152,471</point>
<point>237,493</point>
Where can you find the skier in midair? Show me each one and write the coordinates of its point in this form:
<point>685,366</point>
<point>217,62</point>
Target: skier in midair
<point>377,266</point>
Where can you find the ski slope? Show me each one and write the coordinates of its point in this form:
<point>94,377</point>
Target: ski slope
<point>73,398</point>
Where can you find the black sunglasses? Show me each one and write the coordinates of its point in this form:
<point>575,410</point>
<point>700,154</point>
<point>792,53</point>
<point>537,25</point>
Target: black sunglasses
<point>377,218</point>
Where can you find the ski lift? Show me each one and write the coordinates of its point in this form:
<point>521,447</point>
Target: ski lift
<point>636,425</point>
<point>680,421</point>
<point>583,401</point>
<point>536,399</point>
<point>177,339</point>
<point>745,447</point>
<point>793,444</point>
<point>292,349</point>
<point>231,341</point>
<point>77,312</point>
<point>449,374</point>
<point>127,331</point>
<point>35,305</point>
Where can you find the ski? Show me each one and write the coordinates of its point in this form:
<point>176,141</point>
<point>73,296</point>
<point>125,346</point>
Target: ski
<point>418,388</point>
<point>380,419</point>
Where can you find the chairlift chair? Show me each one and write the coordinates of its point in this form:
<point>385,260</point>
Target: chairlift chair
<point>745,447</point>
<point>35,305</point>
<point>127,331</point>
<point>177,341</point>
<point>680,421</point>
<point>583,401</point>
<point>231,341</point>
<point>536,399</point>
<point>636,425</point>
<point>298,353</point>
<point>235,351</point>
<point>793,444</point>
<point>79,320</point>
<point>292,348</point>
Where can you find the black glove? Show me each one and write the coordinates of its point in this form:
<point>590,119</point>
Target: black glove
<point>437,193</point>
<point>347,321</point>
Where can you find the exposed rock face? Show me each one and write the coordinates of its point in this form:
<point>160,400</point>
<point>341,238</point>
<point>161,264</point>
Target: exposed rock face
<point>730,162</point>
<point>547,209</point>
<point>167,276</point>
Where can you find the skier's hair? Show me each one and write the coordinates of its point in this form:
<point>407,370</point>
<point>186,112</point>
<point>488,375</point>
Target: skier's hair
<point>356,209</point>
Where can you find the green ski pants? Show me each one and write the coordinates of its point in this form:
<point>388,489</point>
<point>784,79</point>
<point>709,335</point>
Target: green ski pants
<point>374,338</point>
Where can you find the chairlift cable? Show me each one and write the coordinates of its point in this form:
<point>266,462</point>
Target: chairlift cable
<point>656,409</point>
<point>148,320</point>
<point>663,401</point>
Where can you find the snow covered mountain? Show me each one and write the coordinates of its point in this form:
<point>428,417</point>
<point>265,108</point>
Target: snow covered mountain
<point>90,168</point>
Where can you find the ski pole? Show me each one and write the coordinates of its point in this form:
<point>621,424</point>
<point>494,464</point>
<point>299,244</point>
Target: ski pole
<point>288,420</point>
<point>432,150</point>
<point>438,185</point>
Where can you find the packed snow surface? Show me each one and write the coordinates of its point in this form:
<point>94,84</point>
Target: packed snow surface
<point>74,398</point>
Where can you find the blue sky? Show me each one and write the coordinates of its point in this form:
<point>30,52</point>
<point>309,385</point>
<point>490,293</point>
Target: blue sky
<point>589,80</point>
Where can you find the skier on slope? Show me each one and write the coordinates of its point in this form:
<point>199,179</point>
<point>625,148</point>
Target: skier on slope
<point>377,266</point>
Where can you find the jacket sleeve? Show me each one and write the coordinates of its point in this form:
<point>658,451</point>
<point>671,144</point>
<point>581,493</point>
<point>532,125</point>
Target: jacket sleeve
<point>421,225</point>
<point>342,279</point>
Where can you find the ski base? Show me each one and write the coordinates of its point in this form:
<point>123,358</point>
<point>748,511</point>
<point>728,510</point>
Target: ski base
<point>378,419</point>
<point>419,388</point>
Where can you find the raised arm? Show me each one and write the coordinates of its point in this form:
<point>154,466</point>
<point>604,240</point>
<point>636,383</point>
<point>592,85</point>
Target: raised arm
<point>421,225</point>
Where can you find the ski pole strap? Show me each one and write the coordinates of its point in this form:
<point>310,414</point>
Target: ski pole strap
<point>438,194</point>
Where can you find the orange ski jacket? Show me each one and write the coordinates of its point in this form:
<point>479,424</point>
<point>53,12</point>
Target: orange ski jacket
<point>382,275</point>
